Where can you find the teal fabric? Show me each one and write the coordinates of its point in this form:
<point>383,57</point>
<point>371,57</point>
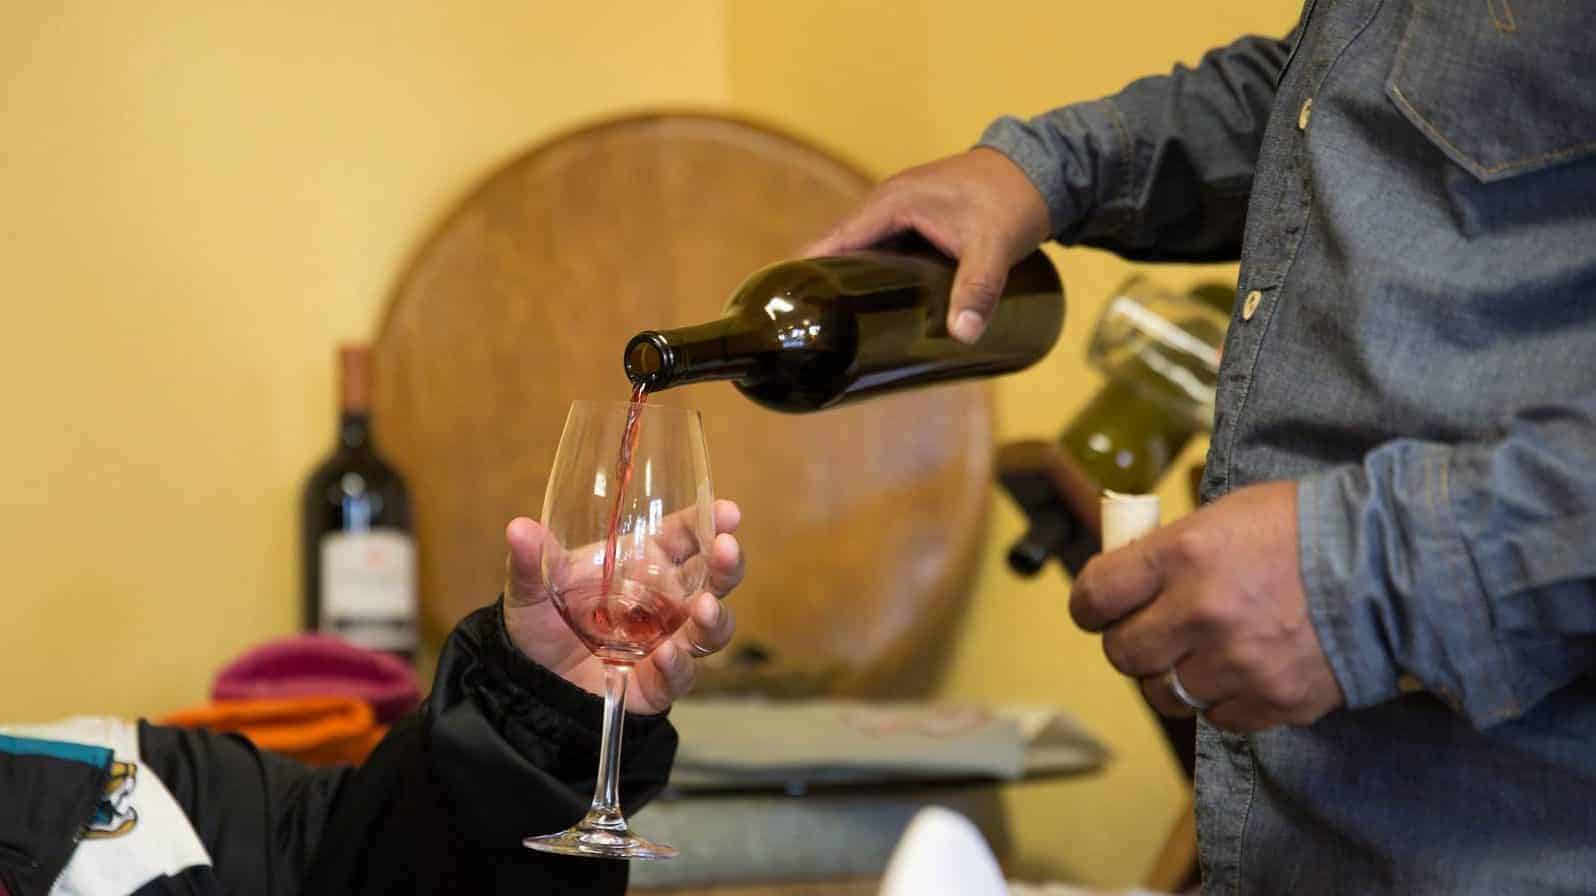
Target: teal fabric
<point>98,757</point>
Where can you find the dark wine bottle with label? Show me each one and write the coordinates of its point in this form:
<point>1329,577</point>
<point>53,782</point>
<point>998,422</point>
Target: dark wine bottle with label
<point>814,333</point>
<point>359,555</point>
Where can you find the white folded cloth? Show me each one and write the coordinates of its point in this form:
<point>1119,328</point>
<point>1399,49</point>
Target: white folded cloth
<point>942,854</point>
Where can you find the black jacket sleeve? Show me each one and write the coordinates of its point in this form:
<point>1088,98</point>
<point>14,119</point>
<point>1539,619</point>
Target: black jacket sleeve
<point>259,814</point>
<point>502,748</point>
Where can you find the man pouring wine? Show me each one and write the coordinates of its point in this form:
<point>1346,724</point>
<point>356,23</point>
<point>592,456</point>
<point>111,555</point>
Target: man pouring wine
<point>1386,609</point>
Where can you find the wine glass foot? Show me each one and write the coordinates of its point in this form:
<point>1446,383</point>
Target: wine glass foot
<point>600,842</point>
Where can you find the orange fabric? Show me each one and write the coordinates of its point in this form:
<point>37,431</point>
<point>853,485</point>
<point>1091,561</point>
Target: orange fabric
<point>316,730</point>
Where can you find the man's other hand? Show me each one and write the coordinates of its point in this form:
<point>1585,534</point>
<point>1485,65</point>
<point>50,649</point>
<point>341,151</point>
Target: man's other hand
<point>1217,597</point>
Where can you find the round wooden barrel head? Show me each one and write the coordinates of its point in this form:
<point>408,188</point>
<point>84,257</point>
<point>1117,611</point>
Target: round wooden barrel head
<point>860,525</point>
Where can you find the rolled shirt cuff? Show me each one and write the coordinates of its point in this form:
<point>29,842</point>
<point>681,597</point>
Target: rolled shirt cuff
<point>1391,588</point>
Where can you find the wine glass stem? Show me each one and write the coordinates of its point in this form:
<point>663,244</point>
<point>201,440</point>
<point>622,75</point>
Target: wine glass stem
<point>606,808</point>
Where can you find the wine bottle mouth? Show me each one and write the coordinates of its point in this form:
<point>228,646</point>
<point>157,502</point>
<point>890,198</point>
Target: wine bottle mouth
<point>1027,557</point>
<point>648,358</point>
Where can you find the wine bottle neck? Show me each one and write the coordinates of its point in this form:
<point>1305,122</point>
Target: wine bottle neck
<point>725,349</point>
<point>354,397</point>
<point>354,430</point>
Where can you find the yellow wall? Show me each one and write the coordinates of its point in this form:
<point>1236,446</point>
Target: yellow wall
<point>894,84</point>
<point>198,200</point>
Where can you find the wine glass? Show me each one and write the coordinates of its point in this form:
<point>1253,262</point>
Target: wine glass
<point>1165,345</point>
<point>635,476</point>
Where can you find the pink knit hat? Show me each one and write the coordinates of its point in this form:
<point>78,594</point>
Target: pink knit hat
<point>312,665</point>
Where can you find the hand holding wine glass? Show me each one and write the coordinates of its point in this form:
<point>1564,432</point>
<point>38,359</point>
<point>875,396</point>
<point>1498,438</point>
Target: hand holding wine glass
<point>538,630</point>
<point>631,537</point>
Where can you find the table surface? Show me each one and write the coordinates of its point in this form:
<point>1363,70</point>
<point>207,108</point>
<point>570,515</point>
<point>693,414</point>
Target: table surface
<point>814,888</point>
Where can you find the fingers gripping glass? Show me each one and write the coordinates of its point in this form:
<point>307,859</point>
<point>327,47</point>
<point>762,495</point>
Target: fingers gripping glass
<point>663,516</point>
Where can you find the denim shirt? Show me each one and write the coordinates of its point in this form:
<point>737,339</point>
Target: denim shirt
<point>1410,186</point>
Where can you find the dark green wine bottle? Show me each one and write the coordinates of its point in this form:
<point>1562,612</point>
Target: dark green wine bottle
<point>1121,441</point>
<point>1124,442</point>
<point>815,333</point>
<point>1217,295</point>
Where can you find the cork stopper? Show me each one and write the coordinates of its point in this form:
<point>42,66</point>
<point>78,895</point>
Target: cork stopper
<point>354,377</point>
<point>1127,518</point>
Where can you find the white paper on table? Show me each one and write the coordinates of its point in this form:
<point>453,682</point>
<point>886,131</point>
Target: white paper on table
<point>942,854</point>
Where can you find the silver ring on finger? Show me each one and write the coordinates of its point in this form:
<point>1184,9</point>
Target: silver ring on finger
<point>698,651</point>
<point>1184,695</point>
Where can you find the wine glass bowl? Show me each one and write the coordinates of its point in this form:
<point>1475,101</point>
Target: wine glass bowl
<point>630,518</point>
<point>1164,344</point>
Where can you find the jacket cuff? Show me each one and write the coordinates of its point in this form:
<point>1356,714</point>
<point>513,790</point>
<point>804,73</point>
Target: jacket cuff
<point>518,745</point>
<point>574,704</point>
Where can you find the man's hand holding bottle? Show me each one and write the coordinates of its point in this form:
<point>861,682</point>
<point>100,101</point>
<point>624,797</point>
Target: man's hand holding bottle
<point>977,207</point>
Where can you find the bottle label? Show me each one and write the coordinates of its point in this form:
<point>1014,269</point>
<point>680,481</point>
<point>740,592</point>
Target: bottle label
<point>368,588</point>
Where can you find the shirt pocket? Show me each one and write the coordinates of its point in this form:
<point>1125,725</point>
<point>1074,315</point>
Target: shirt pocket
<point>1502,87</point>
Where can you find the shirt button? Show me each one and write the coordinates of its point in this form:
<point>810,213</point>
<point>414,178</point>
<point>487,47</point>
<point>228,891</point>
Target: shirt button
<point>1303,113</point>
<point>1250,307</point>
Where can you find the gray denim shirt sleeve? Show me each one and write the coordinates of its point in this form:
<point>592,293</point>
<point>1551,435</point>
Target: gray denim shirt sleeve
<point>1162,170</point>
<point>1465,566</point>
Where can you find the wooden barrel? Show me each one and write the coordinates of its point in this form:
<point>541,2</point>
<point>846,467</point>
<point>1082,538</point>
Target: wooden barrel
<point>861,525</point>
